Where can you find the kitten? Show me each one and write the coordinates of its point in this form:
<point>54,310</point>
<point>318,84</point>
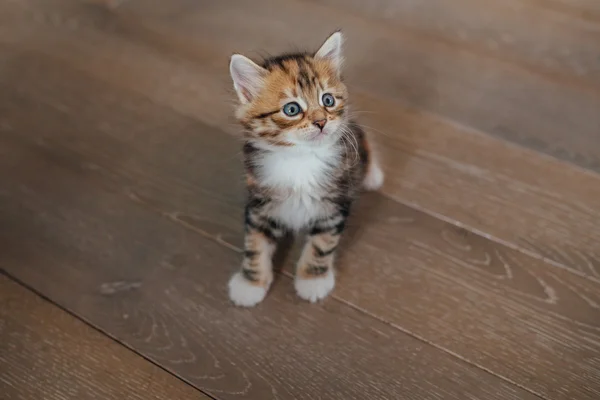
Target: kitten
<point>305,162</point>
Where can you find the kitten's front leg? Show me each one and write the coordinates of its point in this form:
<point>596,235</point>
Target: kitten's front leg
<point>249,286</point>
<point>315,277</point>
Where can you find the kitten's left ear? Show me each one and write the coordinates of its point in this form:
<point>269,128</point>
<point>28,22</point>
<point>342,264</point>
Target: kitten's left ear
<point>331,50</point>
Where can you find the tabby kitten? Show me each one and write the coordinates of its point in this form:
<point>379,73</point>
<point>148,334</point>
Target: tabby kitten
<point>305,162</point>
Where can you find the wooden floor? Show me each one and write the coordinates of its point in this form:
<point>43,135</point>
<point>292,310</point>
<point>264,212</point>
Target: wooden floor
<point>473,274</point>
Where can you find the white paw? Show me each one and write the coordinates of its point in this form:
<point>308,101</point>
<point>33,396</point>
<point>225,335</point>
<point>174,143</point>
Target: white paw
<point>315,289</point>
<point>374,178</point>
<point>243,293</point>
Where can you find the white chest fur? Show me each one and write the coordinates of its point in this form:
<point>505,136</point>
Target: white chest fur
<point>300,176</point>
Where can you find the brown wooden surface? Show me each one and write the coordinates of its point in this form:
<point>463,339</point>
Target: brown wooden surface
<point>158,287</point>
<point>45,353</point>
<point>434,266</point>
<point>481,254</point>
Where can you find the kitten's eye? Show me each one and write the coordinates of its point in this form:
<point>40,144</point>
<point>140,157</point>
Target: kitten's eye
<point>328,100</point>
<point>292,109</point>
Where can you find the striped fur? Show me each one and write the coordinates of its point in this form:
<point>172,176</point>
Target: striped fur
<point>303,171</point>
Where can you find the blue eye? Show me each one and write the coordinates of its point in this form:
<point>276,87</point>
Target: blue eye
<point>328,100</point>
<point>292,109</point>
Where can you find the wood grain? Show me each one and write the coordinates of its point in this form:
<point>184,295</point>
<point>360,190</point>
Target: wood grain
<point>160,288</point>
<point>45,353</point>
<point>441,282</point>
<point>545,207</point>
<point>485,302</point>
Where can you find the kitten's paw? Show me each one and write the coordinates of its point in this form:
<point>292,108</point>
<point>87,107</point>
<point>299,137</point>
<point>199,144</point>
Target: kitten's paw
<point>315,289</point>
<point>244,293</point>
<point>374,178</point>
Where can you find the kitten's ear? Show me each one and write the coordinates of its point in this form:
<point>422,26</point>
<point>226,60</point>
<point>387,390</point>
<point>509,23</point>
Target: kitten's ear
<point>331,50</point>
<point>248,78</point>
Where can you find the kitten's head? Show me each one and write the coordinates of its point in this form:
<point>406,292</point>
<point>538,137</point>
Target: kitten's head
<point>293,99</point>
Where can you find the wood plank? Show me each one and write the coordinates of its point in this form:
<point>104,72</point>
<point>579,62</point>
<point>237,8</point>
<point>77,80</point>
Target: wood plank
<point>545,38</point>
<point>486,190</point>
<point>45,353</point>
<point>160,288</point>
<point>493,306</point>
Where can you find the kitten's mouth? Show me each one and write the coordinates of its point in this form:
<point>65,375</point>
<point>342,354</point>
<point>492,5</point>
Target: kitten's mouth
<point>317,136</point>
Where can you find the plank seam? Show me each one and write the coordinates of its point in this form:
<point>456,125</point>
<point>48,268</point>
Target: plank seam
<point>493,239</point>
<point>100,330</point>
<point>443,349</point>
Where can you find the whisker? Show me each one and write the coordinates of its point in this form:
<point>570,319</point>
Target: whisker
<point>349,136</point>
<point>375,130</point>
<point>362,112</point>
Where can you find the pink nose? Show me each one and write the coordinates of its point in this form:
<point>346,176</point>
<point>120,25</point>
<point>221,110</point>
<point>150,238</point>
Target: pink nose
<point>320,123</point>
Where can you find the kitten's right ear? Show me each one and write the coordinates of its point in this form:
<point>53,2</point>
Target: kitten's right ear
<point>248,78</point>
<point>331,50</point>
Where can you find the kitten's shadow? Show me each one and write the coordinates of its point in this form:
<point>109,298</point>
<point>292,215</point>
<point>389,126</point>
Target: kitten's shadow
<point>364,215</point>
<point>285,248</point>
